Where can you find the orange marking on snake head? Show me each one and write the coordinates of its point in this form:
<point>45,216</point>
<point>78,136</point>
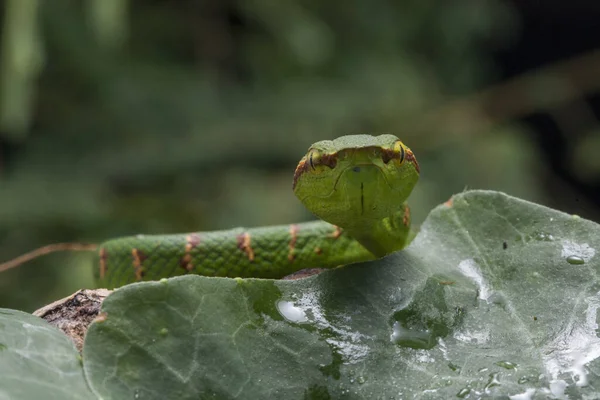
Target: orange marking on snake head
<point>138,259</point>
<point>243,242</point>
<point>449,202</point>
<point>337,233</point>
<point>410,157</point>
<point>293,238</point>
<point>300,169</point>
<point>103,257</point>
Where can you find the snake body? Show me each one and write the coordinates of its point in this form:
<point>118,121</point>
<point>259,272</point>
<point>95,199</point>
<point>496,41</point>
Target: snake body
<point>263,252</point>
<point>357,183</point>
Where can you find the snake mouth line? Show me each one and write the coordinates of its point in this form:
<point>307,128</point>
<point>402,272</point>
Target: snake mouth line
<point>362,199</point>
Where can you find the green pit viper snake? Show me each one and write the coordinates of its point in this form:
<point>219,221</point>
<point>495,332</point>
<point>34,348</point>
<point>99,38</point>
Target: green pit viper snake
<point>356,184</point>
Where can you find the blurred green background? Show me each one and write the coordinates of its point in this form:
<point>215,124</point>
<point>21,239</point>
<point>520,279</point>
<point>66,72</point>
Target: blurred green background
<point>120,117</point>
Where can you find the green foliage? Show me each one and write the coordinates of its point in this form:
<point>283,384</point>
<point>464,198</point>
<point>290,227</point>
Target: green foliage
<point>37,361</point>
<point>495,297</point>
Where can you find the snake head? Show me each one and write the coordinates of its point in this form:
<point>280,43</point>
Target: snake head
<point>356,176</point>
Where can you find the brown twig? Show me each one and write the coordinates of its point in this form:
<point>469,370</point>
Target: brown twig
<point>41,251</point>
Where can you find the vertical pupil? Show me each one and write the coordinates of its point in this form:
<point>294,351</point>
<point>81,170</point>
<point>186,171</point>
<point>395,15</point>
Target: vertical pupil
<point>311,160</point>
<point>401,153</point>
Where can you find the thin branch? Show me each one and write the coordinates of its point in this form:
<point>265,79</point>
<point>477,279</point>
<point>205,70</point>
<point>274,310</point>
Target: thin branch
<point>41,251</point>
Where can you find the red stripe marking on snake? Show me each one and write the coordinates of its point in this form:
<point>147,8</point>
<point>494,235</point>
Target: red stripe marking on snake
<point>191,241</point>
<point>293,238</point>
<point>138,259</point>
<point>243,243</point>
<point>103,257</point>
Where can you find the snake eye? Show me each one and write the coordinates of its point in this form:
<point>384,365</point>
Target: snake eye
<point>319,161</point>
<point>313,158</point>
<point>399,151</point>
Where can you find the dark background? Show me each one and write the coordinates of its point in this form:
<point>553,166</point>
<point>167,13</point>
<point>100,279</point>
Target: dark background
<point>122,117</point>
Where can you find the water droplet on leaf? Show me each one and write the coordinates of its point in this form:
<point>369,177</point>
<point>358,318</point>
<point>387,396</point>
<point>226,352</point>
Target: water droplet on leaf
<point>411,338</point>
<point>493,381</point>
<point>506,364</point>
<point>528,379</point>
<point>575,260</point>
<point>543,237</point>
<point>290,312</point>
<point>453,366</point>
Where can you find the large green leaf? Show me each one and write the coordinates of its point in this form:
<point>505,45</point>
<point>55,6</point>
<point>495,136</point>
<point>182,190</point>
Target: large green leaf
<point>495,297</point>
<point>37,361</point>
